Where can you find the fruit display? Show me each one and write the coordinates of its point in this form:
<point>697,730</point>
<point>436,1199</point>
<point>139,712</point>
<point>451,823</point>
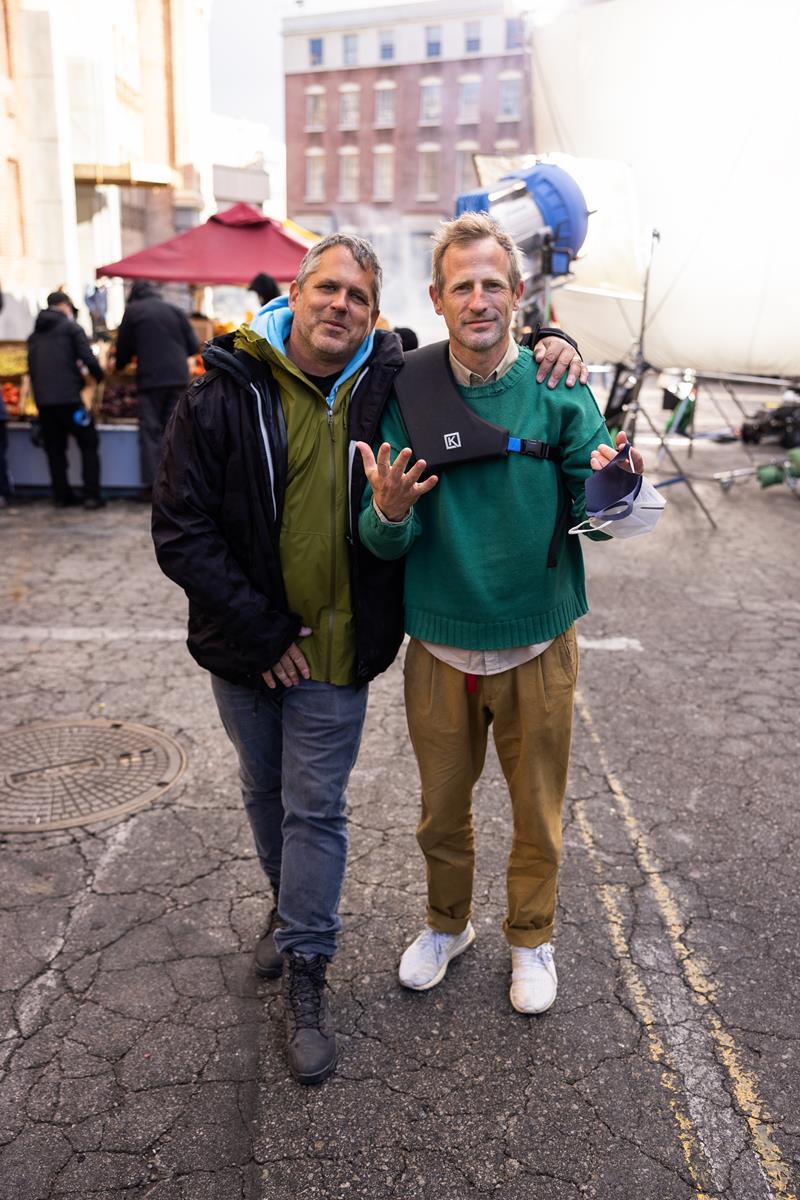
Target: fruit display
<point>11,397</point>
<point>118,401</point>
<point>13,360</point>
<point>13,369</point>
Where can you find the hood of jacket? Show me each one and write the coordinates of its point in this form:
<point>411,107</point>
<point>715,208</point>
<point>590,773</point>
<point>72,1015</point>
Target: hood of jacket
<point>50,319</point>
<point>142,290</point>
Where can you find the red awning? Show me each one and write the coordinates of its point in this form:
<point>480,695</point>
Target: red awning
<point>231,247</point>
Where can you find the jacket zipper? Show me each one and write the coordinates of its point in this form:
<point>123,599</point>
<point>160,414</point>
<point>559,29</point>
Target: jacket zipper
<point>331,607</point>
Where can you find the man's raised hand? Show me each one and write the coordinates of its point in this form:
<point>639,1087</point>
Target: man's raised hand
<point>394,488</point>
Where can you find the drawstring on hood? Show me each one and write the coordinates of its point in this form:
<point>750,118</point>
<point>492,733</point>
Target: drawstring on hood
<point>273,323</point>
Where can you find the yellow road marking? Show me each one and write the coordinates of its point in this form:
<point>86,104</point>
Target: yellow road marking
<point>700,986</point>
<point>637,990</point>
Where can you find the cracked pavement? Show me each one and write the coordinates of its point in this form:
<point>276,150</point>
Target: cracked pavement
<point>141,1058</point>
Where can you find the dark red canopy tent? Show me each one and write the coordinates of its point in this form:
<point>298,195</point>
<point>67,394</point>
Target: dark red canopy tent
<point>231,247</point>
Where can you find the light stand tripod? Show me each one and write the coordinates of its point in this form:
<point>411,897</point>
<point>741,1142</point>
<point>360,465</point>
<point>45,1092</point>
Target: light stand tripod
<point>623,405</point>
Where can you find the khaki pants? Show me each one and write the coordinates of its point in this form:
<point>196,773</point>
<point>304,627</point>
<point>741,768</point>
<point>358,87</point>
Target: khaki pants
<point>530,708</point>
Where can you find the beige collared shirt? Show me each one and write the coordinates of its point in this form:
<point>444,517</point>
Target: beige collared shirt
<point>469,378</point>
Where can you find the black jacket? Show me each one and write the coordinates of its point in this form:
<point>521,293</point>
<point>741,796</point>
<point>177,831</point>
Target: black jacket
<point>217,505</point>
<point>55,348</point>
<point>159,336</point>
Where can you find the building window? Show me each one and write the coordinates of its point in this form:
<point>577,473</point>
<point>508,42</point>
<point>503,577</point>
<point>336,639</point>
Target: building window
<point>472,37</point>
<point>315,51</point>
<point>383,173</point>
<point>515,33</point>
<point>469,100</point>
<point>348,174</point>
<point>315,109</point>
<point>430,102</point>
<point>433,41</point>
<point>386,45</point>
<point>315,175</point>
<point>510,103</point>
<point>466,175</point>
<point>350,49</point>
<point>428,158</point>
<point>385,106</point>
<point>349,107</point>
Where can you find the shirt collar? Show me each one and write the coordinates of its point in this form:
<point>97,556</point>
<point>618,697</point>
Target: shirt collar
<point>468,378</point>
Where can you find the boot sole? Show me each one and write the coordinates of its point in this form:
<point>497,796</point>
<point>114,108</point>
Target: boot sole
<point>440,974</point>
<point>318,1076</point>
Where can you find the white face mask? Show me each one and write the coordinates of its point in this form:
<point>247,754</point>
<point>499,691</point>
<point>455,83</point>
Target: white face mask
<point>643,516</point>
<point>620,502</point>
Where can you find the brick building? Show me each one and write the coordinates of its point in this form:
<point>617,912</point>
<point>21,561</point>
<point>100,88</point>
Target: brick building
<point>385,109</point>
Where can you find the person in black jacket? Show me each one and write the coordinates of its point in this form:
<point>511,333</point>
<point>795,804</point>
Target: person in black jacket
<point>255,515</point>
<point>161,339</point>
<point>58,355</point>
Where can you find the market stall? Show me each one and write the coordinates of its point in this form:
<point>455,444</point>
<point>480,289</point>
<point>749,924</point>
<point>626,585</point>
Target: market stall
<point>229,248</point>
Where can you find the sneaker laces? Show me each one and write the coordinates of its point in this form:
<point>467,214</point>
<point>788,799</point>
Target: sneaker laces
<point>433,943</point>
<point>306,983</point>
<point>527,959</point>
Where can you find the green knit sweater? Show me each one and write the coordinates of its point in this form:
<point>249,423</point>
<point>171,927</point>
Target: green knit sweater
<point>477,574</point>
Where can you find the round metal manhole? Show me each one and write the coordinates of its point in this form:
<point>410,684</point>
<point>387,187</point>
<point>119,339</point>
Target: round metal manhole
<point>65,773</point>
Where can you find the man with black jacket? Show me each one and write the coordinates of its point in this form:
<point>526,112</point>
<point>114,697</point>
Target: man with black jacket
<point>161,339</point>
<point>255,515</point>
<point>57,350</point>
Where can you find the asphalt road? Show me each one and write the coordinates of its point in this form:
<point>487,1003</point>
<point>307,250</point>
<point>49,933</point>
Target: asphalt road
<point>141,1059</point>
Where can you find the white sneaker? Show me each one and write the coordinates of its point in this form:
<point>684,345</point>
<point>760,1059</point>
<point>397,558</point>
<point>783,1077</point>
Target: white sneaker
<point>426,960</point>
<point>533,978</point>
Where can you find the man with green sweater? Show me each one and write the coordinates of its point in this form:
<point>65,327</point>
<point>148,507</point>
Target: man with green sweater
<point>491,597</point>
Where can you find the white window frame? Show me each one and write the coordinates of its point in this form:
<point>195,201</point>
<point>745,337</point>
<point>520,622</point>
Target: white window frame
<point>470,35</point>
<point>381,155</point>
<point>314,154</point>
<point>386,41</point>
<point>349,49</point>
<point>315,92</point>
<point>433,35</point>
<point>466,148</point>
<point>428,152</point>
<point>471,115</point>
<point>351,194</point>
<point>382,88</point>
<point>426,87</point>
<point>505,78</point>
<point>517,23</point>
<point>349,113</point>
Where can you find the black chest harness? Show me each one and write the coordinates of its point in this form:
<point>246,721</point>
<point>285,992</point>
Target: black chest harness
<point>445,431</point>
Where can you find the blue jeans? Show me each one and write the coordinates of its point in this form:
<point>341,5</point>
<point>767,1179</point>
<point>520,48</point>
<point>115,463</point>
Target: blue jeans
<point>295,753</point>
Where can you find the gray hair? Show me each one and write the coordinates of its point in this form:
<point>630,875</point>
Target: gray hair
<point>473,227</point>
<point>359,247</point>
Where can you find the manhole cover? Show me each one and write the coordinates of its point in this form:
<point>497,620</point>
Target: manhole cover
<point>65,773</point>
